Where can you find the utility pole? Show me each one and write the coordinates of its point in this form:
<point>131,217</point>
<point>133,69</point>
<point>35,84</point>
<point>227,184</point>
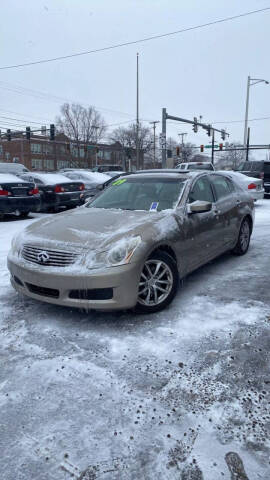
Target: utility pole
<point>213,147</point>
<point>246,115</point>
<point>182,143</point>
<point>96,142</point>
<point>247,152</point>
<point>137,118</point>
<point>163,137</point>
<point>154,128</point>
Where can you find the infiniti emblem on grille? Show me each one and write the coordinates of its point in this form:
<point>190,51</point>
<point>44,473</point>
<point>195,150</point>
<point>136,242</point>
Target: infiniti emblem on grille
<point>43,257</point>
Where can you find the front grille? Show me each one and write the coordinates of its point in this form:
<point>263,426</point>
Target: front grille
<point>48,257</point>
<point>93,294</point>
<point>43,291</point>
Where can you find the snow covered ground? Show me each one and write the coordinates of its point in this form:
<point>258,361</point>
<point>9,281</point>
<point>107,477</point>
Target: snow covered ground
<point>119,396</point>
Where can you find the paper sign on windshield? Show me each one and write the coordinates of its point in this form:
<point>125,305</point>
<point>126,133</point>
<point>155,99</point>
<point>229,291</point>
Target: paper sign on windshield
<point>118,182</point>
<point>153,207</point>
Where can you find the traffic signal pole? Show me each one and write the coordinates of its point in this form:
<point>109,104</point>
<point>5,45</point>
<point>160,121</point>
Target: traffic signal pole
<point>213,147</point>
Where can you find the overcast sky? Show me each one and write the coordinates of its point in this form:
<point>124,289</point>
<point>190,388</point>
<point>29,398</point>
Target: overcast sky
<point>202,72</point>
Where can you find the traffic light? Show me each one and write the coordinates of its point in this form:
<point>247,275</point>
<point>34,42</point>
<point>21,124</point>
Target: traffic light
<point>52,132</point>
<point>9,134</point>
<point>177,151</point>
<point>223,134</point>
<point>195,125</point>
<point>221,146</point>
<point>28,133</point>
<point>209,130</point>
<point>202,148</point>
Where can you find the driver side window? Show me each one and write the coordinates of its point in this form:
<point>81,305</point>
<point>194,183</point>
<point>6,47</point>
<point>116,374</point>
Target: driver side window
<point>201,190</point>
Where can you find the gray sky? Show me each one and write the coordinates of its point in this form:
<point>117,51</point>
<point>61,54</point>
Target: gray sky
<point>203,72</point>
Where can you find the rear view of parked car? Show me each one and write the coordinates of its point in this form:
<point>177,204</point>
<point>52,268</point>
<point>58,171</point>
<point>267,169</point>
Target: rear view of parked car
<point>17,196</point>
<point>56,191</point>
<point>257,169</point>
<point>93,182</point>
<point>253,186</point>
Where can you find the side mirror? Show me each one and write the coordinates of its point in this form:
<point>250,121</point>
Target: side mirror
<point>199,206</point>
<point>100,187</point>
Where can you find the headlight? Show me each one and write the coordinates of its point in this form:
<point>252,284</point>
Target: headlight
<point>122,252</point>
<point>119,254</point>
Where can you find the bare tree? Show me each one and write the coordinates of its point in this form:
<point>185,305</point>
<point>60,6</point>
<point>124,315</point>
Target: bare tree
<point>126,136</point>
<point>234,158</point>
<point>188,150</point>
<point>81,124</point>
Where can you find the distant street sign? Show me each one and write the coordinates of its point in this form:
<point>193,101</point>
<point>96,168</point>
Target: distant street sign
<point>162,141</point>
<point>210,146</point>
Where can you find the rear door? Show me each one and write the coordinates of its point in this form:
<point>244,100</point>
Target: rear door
<point>228,202</point>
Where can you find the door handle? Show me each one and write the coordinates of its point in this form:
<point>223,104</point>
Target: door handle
<point>217,212</point>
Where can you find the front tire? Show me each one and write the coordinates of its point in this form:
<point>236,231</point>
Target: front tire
<point>243,239</point>
<point>158,283</point>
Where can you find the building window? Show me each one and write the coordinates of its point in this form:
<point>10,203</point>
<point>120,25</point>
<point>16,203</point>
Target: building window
<point>36,147</point>
<point>16,160</point>
<point>1,150</point>
<point>7,155</point>
<point>36,163</point>
<point>47,148</point>
<point>62,164</point>
<point>49,164</point>
<point>107,155</point>
<point>82,152</point>
<point>62,149</point>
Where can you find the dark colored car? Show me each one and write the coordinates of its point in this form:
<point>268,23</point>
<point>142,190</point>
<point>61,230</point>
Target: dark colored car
<point>17,196</point>
<point>257,169</point>
<point>107,168</point>
<point>13,168</point>
<point>56,191</point>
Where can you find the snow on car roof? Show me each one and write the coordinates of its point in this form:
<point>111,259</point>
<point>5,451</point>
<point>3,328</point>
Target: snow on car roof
<point>96,177</point>
<point>9,178</point>
<point>51,178</point>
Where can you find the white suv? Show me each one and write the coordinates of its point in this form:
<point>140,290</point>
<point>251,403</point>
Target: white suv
<point>195,166</point>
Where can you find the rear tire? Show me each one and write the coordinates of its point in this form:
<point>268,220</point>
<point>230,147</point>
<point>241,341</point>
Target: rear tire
<point>243,239</point>
<point>24,214</point>
<point>158,283</point>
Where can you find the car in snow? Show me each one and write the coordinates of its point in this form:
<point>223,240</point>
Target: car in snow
<point>253,186</point>
<point>17,196</point>
<point>13,168</point>
<point>257,169</point>
<point>130,245</point>
<point>195,166</point>
<point>56,190</point>
<point>93,181</point>
<point>106,168</point>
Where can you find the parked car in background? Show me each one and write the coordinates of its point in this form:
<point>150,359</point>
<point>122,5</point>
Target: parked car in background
<point>195,166</point>
<point>131,244</point>
<point>115,173</point>
<point>257,169</point>
<point>56,190</point>
<point>253,186</point>
<point>17,196</point>
<point>93,181</point>
<point>107,168</point>
<point>13,168</point>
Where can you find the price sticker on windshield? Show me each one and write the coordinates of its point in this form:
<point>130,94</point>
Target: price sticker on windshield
<point>120,181</point>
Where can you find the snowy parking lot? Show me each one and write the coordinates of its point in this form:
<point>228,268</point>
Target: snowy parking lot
<point>182,394</point>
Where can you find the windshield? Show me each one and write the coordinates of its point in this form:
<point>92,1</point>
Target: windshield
<point>141,194</point>
<point>201,166</point>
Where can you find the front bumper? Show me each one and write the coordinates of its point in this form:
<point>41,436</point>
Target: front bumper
<point>122,281</point>
<point>22,204</point>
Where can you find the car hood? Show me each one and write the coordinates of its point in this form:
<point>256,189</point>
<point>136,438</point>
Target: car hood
<point>98,228</point>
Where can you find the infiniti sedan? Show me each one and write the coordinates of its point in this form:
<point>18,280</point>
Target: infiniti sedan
<point>130,245</point>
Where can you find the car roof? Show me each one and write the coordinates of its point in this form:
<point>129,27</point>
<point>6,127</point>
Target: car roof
<point>164,174</point>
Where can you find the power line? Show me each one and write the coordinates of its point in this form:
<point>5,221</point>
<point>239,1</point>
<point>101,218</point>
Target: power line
<point>134,42</point>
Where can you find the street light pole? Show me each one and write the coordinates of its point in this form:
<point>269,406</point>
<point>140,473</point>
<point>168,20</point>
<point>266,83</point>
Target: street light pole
<point>154,128</point>
<point>137,117</point>
<point>250,82</point>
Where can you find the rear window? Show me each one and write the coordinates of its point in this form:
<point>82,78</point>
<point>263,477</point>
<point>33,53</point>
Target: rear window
<point>200,166</point>
<point>251,167</point>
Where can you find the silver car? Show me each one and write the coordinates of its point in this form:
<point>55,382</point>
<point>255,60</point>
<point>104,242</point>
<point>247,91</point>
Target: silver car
<point>130,245</point>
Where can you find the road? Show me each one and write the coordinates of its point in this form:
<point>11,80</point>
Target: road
<point>183,394</point>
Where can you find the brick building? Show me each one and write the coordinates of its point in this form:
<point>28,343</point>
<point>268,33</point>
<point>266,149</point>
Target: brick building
<point>40,153</point>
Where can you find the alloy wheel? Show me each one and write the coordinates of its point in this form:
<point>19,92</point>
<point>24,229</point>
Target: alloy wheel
<point>244,235</point>
<point>156,283</point>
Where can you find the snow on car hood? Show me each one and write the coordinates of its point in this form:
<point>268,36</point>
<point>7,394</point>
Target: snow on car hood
<point>97,228</point>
